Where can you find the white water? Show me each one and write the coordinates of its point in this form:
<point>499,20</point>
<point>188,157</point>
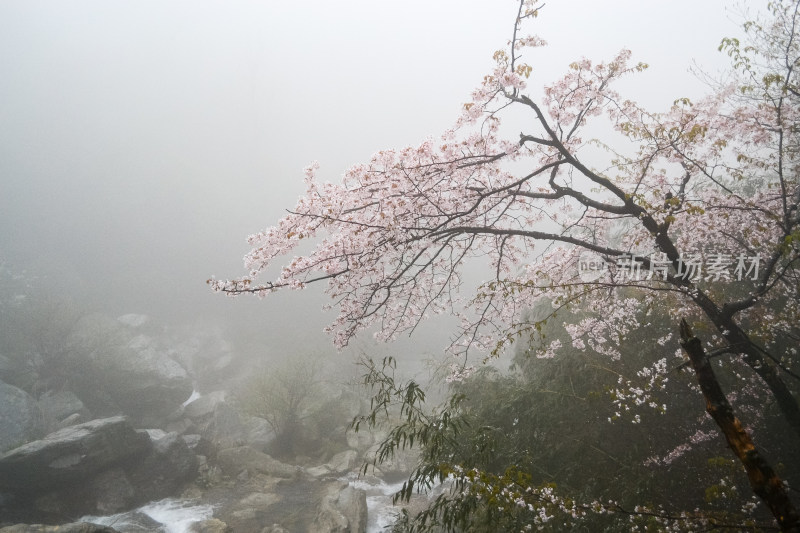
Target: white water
<point>380,511</point>
<point>195,395</point>
<point>173,516</point>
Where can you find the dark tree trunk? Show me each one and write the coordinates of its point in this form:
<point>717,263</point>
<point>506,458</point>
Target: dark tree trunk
<point>763,479</point>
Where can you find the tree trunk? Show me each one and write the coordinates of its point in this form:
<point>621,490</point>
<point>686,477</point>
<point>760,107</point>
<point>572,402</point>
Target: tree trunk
<point>763,479</point>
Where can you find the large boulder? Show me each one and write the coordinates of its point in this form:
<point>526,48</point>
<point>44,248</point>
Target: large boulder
<point>147,384</point>
<point>130,368</point>
<point>71,455</point>
<point>58,406</point>
<point>165,469</point>
<point>21,419</point>
<point>98,468</point>
<point>216,417</point>
<point>204,352</point>
<point>343,509</point>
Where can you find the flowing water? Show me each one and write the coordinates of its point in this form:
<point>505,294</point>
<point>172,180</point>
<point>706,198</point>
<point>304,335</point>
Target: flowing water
<point>380,511</point>
<point>173,515</point>
<point>164,516</point>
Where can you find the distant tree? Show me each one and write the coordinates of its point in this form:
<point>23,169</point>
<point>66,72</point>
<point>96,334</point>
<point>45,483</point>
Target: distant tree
<point>695,210</point>
<point>280,394</point>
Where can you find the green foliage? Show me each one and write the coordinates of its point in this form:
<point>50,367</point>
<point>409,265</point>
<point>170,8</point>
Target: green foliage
<point>504,448</point>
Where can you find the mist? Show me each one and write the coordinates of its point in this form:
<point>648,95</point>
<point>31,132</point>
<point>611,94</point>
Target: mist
<point>141,142</point>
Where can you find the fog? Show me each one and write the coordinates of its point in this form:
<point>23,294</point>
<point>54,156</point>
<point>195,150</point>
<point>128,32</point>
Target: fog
<point>141,142</point>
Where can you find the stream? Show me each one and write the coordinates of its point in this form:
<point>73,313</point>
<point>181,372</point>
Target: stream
<point>174,515</point>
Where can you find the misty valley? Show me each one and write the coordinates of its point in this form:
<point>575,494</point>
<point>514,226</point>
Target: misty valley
<point>134,426</point>
<point>461,266</point>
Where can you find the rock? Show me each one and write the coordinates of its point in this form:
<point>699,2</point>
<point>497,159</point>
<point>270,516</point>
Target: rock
<point>342,509</point>
<point>203,407</point>
<point>192,441</point>
<point>217,419</point>
<point>204,351</point>
<point>274,528</point>
<point>360,440</point>
<point>401,462</point>
<point>162,472</point>
<point>59,405</point>
<point>259,501</point>
<point>133,370</point>
<point>21,419</point>
<point>318,471</point>
<point>71,420</point>
<point>129,522</point>
<point>258,433</point>
<point>75,527</point>
<point>343,462</point>
<point>226,429</point>
<point>210,526</point>
<point>112,492</point>
<point>233,461</point>
<point>71,455</point>
<point>6,367</point>
<point>151,385</point>
<point>180,426</point>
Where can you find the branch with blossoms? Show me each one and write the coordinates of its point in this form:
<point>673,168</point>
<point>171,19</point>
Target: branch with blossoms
<point>393,237</point>
<point>718,176</point>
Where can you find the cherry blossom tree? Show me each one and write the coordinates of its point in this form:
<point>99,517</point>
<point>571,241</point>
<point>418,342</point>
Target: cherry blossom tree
<point>693,210</point>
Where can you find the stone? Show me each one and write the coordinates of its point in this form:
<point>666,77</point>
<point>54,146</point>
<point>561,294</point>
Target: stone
<point>134,370</point>
<point>360,440</point>
<point>71,420</point>
<point>343,462</point>
<point>203,406</point>
<point>21,419</point>
<point>71,455</point>
<point>162,472</point>
<point>343,509</point>
<point>111,491</point>
<point>259,501</point>
<point>59,405</point>
<point>210,526</point>
<point>234,461</point>
<point>275,528</point>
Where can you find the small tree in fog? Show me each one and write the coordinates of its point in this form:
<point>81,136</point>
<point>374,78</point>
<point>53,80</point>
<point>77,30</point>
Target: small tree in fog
<point>280,394</point>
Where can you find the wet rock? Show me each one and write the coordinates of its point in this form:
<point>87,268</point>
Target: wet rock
<point>21,419</point>
<point>71,455</point>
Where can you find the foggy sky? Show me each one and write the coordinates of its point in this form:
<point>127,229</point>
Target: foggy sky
<point>142,141</point>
